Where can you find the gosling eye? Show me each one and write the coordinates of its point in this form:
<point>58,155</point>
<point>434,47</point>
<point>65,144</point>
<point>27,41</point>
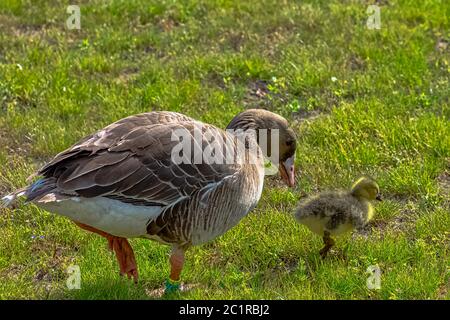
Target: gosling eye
<point>289,143</point>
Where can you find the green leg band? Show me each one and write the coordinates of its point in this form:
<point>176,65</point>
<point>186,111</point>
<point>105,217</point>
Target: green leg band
<point>172,286</point>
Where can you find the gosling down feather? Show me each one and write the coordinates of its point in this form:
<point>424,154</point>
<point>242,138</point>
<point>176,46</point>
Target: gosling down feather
<point>122,182</point>
<point>337,212</point>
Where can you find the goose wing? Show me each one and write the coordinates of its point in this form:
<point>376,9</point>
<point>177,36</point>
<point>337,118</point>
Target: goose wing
<point>131,161</point>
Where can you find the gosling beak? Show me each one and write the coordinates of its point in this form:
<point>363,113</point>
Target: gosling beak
<point>379,197</point>
<point>287,172</point>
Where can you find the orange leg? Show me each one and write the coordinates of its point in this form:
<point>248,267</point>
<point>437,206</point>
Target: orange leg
<point>176,263</point>
<point>123,250</point>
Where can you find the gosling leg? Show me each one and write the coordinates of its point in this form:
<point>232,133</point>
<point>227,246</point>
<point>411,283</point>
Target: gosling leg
<point>329,242</point>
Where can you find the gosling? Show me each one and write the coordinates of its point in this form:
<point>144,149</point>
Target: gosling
<point>337,212</point>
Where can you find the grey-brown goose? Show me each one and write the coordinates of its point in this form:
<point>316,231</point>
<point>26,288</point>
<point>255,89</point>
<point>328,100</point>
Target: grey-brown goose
<point>123,182</point>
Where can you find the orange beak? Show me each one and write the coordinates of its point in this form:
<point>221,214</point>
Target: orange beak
<point>287,171</point>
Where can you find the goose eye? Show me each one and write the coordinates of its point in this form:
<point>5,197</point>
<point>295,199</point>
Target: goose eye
<point>289,143</point>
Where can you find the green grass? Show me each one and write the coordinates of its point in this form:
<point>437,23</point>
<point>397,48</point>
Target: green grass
<point>386,115</point>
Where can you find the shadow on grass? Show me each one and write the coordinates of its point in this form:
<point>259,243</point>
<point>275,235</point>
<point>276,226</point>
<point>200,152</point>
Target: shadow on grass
<point>124,289</point>
<point>115,289</point>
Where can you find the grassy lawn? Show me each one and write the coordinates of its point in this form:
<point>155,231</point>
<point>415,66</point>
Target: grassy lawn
<point>362,101</point>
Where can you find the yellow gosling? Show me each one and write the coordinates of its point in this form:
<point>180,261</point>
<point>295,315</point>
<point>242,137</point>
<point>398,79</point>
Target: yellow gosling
<point>337,212</point>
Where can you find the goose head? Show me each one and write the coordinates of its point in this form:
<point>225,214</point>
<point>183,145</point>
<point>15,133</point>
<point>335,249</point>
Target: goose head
<point>367,189</point>
<point>269,126</point>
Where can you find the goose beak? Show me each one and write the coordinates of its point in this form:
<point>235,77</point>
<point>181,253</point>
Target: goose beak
<point>379,197</point>
<point>287,171</point>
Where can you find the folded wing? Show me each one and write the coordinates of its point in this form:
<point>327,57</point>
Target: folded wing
<point>131,161</point>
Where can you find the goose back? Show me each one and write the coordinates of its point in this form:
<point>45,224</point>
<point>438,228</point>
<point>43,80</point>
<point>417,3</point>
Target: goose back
<point>128,167</point>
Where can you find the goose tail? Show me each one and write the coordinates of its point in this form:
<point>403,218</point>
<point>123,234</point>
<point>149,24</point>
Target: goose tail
<point>10,200</point>
<point>34,191</point>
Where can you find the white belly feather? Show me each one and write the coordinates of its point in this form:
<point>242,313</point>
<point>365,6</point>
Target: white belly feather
<point>109,215</point>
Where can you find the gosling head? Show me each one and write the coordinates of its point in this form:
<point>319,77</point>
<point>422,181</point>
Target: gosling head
<point>366,188</point>
<point>262,119</point>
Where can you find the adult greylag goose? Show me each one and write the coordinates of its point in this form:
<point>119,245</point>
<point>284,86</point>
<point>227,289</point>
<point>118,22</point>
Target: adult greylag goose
<point>131,179</point>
